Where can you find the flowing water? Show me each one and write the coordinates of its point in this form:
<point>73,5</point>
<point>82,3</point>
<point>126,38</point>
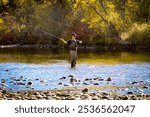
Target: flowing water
<point>44,68</point>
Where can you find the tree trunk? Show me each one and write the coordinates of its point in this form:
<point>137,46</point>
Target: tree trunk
<point>113,33</point>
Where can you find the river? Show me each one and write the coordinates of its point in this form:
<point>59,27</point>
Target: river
<point>44,68</point>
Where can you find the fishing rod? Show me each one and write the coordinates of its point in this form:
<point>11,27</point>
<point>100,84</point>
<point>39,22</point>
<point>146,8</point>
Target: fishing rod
<point>50,34</point>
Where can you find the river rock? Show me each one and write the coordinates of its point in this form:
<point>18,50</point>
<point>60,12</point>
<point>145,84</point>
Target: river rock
<point>71,75</point>
<point>63,78</point>
<point>67,84</point>
<point>95,84</point>
<point>73,79</point>
<point>59,83</point>
<point>95,78</point>
<point>37,79</point>
<point>145,87</point>
<point>42,81</point>
<point>103,93</point>
<point>29,83</point>
<point>100,79</point>
<point>85,90</point>
<point>20,83</point>
<point>39,96</point>
<point>124,97</point>
<point>134,82</point>
<point>85,83</point>
<point>4,91</point>
<point>3,81</point>
<point>104,97</point>
<point>87,79</point>
<point>109,79</point>
<point>129,92</point>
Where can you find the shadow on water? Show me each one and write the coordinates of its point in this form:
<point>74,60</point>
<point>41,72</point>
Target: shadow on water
<point>44,68</point>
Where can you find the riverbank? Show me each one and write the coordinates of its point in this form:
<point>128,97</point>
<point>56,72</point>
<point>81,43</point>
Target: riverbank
<point>84,46</point>
<point>69,95</point>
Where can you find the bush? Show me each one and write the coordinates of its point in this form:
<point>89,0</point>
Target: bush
<point>138,34</point>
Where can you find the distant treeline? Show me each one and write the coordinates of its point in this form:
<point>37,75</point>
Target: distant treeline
<point>103,22</point>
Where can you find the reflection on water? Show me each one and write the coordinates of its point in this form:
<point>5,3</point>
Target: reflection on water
<point>44,68</point>
<point>45,56</point>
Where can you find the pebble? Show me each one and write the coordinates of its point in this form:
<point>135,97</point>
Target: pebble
<point>72,79</point>
<point>124,97</point>
<point>59,83</point>
<point>39,96</point>
<point>20,83</point>
<point>42,81</point>
<point>95,78</point>
<point>4,91</point>
<point>134,82</point>
<point>85,90</point>
<point>129,92</point>
<point>71,75</point>
<point>145,87</point>
<point>37,79</point>
<point>67,84</point>
<point>63,78</point>
<point>108,79</point>
<point>3,81</point>
<point>29,83</point>
<point>87,79</point>
<point>85,83</point>
<point>103,93</point>
<point>100,79</point>
<point>96,84</point>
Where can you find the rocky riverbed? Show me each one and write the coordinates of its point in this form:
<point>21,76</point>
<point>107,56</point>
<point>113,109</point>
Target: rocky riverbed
<point>69,95</point>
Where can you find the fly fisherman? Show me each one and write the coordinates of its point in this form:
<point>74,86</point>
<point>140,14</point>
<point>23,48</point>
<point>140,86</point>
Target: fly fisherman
<point>73,44</point>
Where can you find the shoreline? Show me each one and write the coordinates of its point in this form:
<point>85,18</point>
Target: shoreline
<point>69,95</point>
<point>72,93</point>
<point>83,46</point>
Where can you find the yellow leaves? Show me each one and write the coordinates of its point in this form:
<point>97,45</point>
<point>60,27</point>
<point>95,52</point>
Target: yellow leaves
<point>5,2</point>
<point>1,21</point>
<point>2,25</point>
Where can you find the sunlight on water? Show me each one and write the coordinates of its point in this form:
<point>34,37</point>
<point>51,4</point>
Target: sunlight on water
<point>44,68</point>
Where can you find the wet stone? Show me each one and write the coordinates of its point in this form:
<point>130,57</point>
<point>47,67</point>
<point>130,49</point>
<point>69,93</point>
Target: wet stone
<point>63,78</point>
<point>100,79</point>
<point>29,83</point>
<point>87,79</point>
<point>95,78</point>
<point>134,82</point>
<point>71,75</point>
<point>109,79</point>
<point>3,81</point>
<point>96,84</point>
<point>72,79</point>
<point>85,83</point>
<point>129,92</point>
<point>145,87</point>
<point>67,85</point>
<point>20,83</point>
<point>59,83</point>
